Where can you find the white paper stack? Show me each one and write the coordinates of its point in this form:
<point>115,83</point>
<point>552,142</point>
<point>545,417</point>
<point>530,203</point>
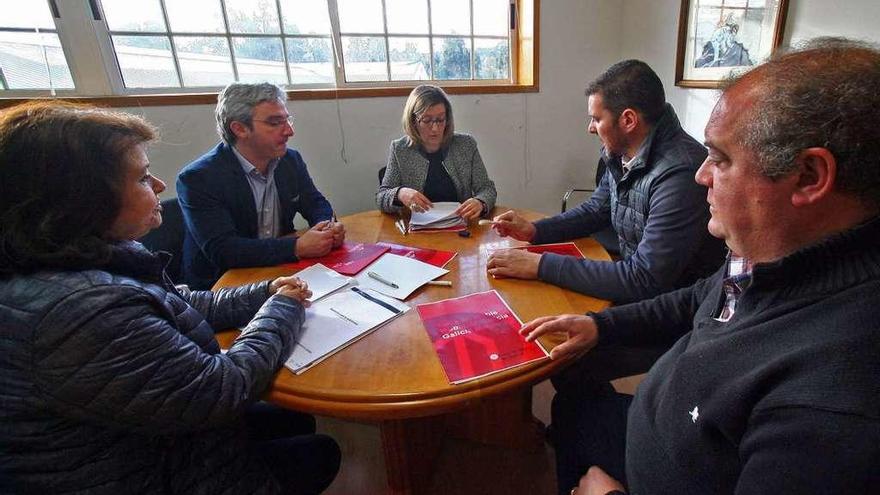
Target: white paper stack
<point>441,217</point>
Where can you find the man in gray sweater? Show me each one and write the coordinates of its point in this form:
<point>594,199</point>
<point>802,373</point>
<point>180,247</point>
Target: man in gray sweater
<point>647,194</point>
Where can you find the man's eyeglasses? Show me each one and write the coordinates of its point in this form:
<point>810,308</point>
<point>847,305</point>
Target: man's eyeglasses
<point>277,122</point>
<point>428,123</point>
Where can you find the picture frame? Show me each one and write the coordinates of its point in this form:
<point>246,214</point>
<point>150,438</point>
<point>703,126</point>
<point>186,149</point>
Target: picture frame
<point>716,37</point>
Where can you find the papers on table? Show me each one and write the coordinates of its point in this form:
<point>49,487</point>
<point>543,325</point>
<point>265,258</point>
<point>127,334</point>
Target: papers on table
<point>322,280</point>
<point>337,320</point>
<point>406,273</point>
<point>441,217</point>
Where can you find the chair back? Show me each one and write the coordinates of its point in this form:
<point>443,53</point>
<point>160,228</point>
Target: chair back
<point>168,237</point>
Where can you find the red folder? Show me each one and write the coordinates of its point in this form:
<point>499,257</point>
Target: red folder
<point>347,259</point>
<point>434,257</point>
<point>477,335</point>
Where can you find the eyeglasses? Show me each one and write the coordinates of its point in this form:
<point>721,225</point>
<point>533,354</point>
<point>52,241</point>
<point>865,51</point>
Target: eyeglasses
<point>277,122</point>
<point>428,123</point>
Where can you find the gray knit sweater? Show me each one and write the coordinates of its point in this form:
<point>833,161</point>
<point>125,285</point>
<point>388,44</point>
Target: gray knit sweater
<point>407,167</point>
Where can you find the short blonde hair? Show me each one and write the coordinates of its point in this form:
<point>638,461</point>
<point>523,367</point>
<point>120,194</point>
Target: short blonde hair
<point>421,99</point>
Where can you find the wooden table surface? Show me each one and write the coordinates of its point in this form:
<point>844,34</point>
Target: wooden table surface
<point>393,375</point>
<point>394,371</point>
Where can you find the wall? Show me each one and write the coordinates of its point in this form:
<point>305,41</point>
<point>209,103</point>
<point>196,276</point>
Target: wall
<point>656,22</point>
<point>534,145</point>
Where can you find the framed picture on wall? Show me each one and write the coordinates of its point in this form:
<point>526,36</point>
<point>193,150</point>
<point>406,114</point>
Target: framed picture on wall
<point>716,37</point>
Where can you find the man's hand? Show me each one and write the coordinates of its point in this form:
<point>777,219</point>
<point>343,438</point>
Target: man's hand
<point>470,209</point>
<point>581,330</point>
<point>414,200</point>
<point>291,287</point>
<point>338,231</point>
<point>515,263</point>
<point>317,241</point>
<point>513,225</point>
<point>597,482</point>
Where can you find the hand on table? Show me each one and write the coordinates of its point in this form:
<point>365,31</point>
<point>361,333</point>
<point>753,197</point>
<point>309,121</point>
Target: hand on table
<point>338,231</point>
<point>291,287</point>
<point>515,263</point>
<point>581,330</point>
<point>414,200</point>
<point>597,482</point>
<point>317,241</point>
<point>513,225</point>
<point>470,209</point>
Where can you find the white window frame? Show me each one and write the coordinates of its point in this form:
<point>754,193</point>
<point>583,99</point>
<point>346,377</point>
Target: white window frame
<point>84,33</point>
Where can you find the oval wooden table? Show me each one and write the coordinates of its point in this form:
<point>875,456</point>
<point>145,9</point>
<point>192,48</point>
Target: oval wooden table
<point>393,376</point>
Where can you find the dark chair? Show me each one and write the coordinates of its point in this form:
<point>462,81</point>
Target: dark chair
<point>168,237</point>
<point>606,237</point>
<point>381,174</point>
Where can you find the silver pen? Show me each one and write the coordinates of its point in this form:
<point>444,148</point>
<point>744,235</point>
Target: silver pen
<point>376,276</point>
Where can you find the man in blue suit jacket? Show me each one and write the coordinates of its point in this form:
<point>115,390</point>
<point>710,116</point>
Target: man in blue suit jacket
<point>239,199</point>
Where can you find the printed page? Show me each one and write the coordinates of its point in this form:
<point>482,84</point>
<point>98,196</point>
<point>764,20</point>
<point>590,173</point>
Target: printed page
<point>391,270</point>
<point>322,280</point>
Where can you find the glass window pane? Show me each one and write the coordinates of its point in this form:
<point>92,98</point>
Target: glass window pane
<point>125,15</point>
<point>491,59</point>
<point>33,61</point>
<point>249,16</point>
<point>360,16</point>
<point>491,17</point>
<point>364,58</point>
<point>146,61</point>
<point>407,16</point>
<point>305,16</point>
<point>410,59</point>
<point>310,60</point>
<point>28,14</point>
<point>204,61</point>
<point>452,58</point>
<point>195,16</point>
<point>451,17</point>
<point>259,59</point>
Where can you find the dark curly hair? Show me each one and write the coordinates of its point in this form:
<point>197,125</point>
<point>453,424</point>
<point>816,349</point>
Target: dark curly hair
<point>61,172</point>
<point>823,93</point>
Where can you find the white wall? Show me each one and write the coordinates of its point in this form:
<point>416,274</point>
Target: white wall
<point>534,145</point>
<point>655,23</point>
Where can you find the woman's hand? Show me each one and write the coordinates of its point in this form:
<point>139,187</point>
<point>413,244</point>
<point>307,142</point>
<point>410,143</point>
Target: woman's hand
<point>414,200</point>
<point>470,209</point>
<point>291,287</point>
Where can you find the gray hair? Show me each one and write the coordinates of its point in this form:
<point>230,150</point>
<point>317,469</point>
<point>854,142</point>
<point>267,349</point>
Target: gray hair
<point>823,93</point>
<point>236,104</point>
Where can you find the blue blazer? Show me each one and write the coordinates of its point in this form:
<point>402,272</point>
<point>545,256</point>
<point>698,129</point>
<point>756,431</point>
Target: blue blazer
<point>221,219</point>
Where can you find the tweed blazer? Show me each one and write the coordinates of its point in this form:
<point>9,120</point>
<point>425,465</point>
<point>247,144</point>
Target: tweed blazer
<point>408,167</point>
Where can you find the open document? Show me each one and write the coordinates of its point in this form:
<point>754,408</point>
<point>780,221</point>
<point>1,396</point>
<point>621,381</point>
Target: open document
<point>440,218</point>
<point>397,276</point>
<point>337,320</point>
<point>322,280</point>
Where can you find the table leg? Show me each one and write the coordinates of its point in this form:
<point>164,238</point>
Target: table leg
<point>503,420</point>
<point>410,447</point>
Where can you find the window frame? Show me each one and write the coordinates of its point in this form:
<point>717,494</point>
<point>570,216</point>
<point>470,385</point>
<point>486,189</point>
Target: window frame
<point>110,91</point>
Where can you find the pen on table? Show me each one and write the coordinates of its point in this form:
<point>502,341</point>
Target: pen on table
<point>444,283</point>
<point>376,276</point>
<point>346,318</point>
<point>486,221</point>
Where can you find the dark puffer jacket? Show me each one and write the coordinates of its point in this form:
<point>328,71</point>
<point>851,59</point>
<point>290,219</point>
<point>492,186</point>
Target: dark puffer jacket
<point>111,381</point>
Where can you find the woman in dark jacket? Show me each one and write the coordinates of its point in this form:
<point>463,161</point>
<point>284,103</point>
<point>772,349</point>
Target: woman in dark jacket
<point>110,378</point>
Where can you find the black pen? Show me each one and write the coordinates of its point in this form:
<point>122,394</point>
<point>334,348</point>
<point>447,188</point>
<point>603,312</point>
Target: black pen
<point>376,276</point>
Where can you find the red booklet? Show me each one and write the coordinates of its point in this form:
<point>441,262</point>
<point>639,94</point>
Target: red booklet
<point>347,259</point>
<point>434,257</point>
<point>477,335</point>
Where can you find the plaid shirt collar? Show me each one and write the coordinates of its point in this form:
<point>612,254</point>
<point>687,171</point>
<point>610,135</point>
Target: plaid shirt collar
<point>738,279</point>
